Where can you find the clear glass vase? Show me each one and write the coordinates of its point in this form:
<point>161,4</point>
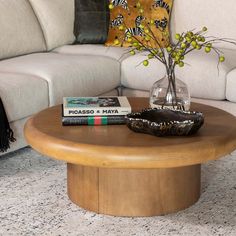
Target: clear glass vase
<point>170,92</point>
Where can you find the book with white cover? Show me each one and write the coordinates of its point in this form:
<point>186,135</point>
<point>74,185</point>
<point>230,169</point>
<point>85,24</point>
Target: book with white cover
<point>96,106</point>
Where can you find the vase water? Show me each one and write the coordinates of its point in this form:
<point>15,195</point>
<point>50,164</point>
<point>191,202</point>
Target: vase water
<point>170,92</point>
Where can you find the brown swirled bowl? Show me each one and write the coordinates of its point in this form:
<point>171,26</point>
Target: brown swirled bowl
<point>164,122</point>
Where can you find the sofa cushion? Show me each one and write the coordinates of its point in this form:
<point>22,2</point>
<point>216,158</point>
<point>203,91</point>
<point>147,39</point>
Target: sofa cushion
<point>22,95</point>
<point>129,15</point>
<point>217,15</point>
<point>201,74</point>
<point>19,28</point>
<point>116,53</point>
<point>135,76</point>
<point>87,12</point>
<point>56,18</point>
<point>231,86</point>
<point>68,75</point>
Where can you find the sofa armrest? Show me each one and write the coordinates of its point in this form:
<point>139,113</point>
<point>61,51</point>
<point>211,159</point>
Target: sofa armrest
<point>231,85</point>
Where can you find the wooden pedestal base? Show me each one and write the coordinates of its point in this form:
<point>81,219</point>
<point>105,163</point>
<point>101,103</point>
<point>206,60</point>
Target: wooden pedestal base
<point>133,192</point>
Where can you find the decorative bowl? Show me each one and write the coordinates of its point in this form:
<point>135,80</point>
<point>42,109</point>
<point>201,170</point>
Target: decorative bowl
<point>165,122</point>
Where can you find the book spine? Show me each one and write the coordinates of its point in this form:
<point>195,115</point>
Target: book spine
<point>101,111</point>
<point>93,120</point>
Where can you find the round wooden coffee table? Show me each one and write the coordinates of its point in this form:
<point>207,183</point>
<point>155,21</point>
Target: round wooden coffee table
<point>112,170</point>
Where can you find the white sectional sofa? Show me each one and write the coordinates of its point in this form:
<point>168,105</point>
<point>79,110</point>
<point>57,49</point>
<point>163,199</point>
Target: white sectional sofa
<point>39,65</point>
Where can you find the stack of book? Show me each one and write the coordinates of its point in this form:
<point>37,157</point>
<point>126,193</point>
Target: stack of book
<point>95,110</point>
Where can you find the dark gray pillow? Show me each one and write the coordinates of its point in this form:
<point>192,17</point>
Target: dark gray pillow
<point>91,21</point>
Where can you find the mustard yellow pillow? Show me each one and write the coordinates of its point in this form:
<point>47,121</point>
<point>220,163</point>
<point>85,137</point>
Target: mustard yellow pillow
<point>127,17</point>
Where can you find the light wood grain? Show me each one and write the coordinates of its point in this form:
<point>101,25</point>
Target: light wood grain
<point>118,147</point>
<point>134,192</point>
<point>82,186</point>
<point>115,171</point>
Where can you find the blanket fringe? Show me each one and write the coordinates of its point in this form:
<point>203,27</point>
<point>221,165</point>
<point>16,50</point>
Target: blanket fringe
<point>6,133</point>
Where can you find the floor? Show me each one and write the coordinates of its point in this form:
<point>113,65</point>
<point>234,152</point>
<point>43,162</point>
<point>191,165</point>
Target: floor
<point>33,201</point>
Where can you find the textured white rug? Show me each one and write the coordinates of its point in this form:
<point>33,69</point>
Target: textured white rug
<point>33,201</point>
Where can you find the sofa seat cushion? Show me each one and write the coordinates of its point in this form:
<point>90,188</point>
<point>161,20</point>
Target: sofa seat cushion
<point>56,18</point>
<point>231,86</point>
<point>19,28</point>
<point>68,75</point>
<point>200,73</point>
<point>22,95</point>
<point>116,53</point>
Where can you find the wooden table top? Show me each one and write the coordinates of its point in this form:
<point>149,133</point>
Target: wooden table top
<point>116,146</point>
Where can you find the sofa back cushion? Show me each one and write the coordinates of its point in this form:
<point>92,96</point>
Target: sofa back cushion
<point>217,15</point>
<point>20,32</point>
<point>127,14</point>
<point>56,18</point>
<point>91,21</point>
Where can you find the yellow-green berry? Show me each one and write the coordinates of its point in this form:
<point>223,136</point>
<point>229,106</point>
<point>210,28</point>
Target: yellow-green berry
<point>191,33</point>
<point>221,58</point>
<point>198,47</point>
<point>141,48</point>
<point>116,42</point>
<point>111,6</point>
<point>188,39</point>
<point>150,56</point>
<point>132,52</point>
<point>203,39</point>
<point>207,49</point>
<point>199,38</point>
<point>129,40</point>
<point>183,45</point>
<point>173,54</point>
<point>181,64</point>
<point>194,44</point>
<point>145,62</point>
<point>141,26</point>
<point>177,58</point>
<point>177,36</point>
<point>154,51</point>
<point>168,49</point>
